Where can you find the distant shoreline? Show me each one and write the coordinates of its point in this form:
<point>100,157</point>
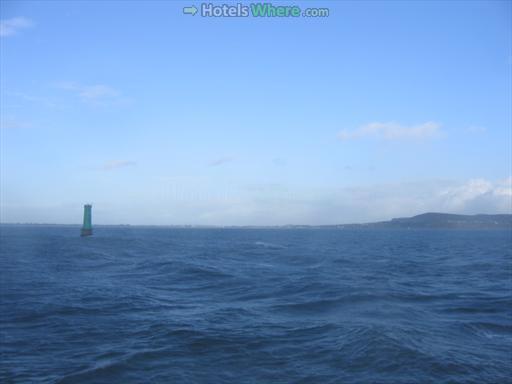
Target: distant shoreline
<point>423,221</point>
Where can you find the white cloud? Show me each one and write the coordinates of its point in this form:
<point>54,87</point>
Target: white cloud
<point>478,195</point>
<point>457,197</point>
<point>504,187</point>
<point>115,164</point>
<point>392,131</point>
<point>12,26</point>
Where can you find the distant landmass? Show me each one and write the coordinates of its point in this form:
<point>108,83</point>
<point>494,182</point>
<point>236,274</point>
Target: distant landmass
<point>425,220</point>
<point>442,220</point>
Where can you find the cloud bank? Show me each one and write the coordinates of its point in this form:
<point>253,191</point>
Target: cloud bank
<point>271,204</point>
<point>280,205</point>
<point>478,195</point>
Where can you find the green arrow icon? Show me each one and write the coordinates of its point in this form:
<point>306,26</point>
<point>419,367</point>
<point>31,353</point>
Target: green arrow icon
<point>190,10</point>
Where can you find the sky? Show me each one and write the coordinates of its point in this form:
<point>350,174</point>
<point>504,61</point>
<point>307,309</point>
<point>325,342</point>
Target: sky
<point>380,110</point>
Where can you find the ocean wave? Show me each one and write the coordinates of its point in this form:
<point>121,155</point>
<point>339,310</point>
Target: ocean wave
<point>254,306</point>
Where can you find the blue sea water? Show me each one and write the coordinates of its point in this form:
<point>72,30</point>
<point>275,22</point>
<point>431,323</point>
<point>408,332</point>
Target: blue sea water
<point>164,305</point>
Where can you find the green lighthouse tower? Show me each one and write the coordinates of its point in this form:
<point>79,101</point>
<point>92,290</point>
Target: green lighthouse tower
<point>87,227</point>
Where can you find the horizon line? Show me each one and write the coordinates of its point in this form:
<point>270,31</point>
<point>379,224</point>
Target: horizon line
<point>251,225</point>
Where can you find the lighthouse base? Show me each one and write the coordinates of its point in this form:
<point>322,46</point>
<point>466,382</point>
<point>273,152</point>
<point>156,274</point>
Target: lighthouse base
<point>86,232</point>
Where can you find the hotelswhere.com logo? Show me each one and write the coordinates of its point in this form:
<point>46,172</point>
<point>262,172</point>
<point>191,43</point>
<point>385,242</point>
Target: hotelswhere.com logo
<point>254,10</point>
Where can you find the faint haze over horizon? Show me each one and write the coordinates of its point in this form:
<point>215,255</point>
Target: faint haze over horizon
<point>381,110</point>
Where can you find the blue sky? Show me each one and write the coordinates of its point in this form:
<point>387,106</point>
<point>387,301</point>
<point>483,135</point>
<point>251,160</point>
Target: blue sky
<point>382,109</point>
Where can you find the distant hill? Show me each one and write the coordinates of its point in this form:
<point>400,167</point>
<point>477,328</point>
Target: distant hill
<point>446,220</point>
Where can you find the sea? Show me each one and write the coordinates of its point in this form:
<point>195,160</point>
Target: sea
<point>241,305</point>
